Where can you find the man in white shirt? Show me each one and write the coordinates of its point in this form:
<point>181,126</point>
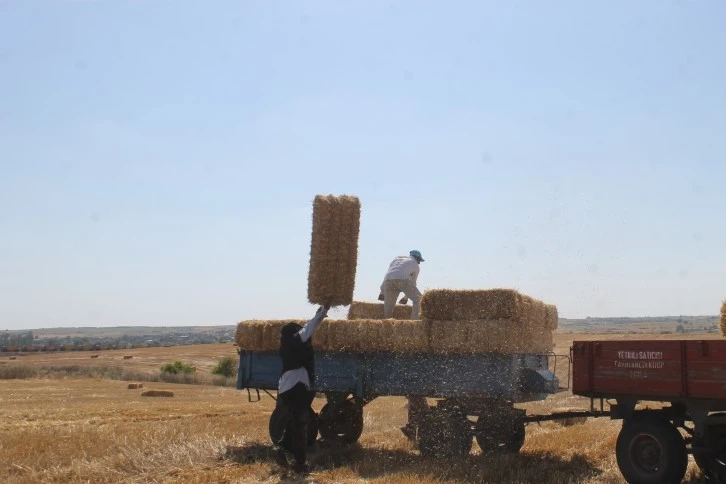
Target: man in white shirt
<point>401,277</point>
<point>295,388</point>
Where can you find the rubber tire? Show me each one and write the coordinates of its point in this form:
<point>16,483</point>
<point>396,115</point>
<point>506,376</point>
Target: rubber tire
<point>444,434</point>
<point>345,425</point>
<point>502,432</point>
<point>657,435</point>
<point>279,420</point>
<point>715,439</point>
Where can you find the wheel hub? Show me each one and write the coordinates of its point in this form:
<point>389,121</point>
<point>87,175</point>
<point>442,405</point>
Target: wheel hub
<point>647,453</point>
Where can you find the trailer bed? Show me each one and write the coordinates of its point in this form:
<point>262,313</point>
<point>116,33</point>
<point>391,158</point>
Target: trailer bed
<point>650,369</point>
<point>514,377</point>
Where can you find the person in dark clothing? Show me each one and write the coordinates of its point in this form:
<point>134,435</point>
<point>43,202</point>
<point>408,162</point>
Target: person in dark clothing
<point>295,388</point>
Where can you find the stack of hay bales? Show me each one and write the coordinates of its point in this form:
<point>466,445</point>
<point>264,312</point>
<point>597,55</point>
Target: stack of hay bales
<point>375,335</point>
<point>372,310</point>
<point>495,320</point>
<point>723,318</point>
<point>333,250</point>
<point>498,320</point>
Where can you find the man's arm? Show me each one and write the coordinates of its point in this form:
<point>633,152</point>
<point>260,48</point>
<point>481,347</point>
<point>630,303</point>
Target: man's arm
<point>313,324</point>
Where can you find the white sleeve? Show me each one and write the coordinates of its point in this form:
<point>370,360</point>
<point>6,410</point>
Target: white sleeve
<point>309,328</point>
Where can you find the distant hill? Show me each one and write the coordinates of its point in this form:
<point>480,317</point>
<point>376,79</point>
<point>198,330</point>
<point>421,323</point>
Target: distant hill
<point>89,338</point>
<point>643,325</point>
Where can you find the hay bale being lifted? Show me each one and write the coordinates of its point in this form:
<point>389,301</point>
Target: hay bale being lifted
<point>372,310</point>
<point>723,318</point>
<point>333,250</point>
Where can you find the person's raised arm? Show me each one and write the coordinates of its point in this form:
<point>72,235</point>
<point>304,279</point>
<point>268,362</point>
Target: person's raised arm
<point>313,324</point>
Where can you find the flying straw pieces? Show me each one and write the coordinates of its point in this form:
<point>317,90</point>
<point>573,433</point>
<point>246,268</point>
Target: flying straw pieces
<point>372,310</point>
<point>723,318</point>
<point>157,393</point>
<point>333,250</point>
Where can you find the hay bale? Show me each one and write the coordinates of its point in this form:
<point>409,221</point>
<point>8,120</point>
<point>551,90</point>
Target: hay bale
<point>333,250</point>
<point>13,358</point>
<point>409,336</point>
<point>374,310</point>
<point>127,357</point>
<point>134,386</point>
<point>495,336</point>
<point>553,319</point>
<point>263,335</point>
<point>482,305</point>
<point>157,393</point>
<point>94,356</point>
<point>723,318</point>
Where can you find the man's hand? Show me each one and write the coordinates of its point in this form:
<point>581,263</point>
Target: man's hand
<point>404,300</point>
<point>322,312</point>
<point>380,297</point>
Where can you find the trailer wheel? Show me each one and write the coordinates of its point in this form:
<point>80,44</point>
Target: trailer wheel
<point>650,451</point>
<point>344,423</point>
<point>279,420</point>
<point>444,433</point>
<point>712,456</point>
<point>500,431</point>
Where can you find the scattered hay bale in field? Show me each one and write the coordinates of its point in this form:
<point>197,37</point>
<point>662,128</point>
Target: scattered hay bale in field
<point>94,356</point>
<point>157,393</point>
<point>482,305</point>
<point>374,310</point>
<point>723,318</point>
<point>128,357</point>
<point>135,386</point>
<point>13,357</point>
<point>334,249</point>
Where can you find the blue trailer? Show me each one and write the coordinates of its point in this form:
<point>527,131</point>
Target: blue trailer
<point>481,385</point>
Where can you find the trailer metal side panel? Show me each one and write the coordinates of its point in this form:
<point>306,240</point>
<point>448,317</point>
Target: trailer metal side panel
<point>520,377</point>
<point>656,369</point>
<point>706,371</point>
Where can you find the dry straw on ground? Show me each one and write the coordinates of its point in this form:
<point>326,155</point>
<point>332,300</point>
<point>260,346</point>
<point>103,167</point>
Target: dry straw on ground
<point>373,310</point>
<point>157,393</point>
<point>723,318</point>
<point>334,249</point>
<point>135,386</point>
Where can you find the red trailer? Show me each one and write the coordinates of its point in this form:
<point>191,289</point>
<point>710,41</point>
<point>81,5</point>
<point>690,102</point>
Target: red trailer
<point>687,378</point>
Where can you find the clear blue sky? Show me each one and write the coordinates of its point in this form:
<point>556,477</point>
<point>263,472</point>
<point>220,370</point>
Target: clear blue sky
<point>158,160</point>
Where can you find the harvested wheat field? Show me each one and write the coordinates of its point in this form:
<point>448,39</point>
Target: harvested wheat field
<point>93,430</point>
